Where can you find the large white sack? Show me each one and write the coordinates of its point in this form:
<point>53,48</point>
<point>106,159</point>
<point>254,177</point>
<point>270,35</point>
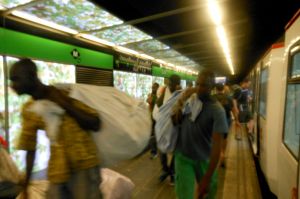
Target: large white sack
<point>126,122</point>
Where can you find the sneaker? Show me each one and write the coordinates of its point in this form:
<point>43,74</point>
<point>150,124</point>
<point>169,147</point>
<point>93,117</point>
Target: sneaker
<point>153,156</point>
<point>238,137</point>
<point>163,176</point>
<point>172,180</point>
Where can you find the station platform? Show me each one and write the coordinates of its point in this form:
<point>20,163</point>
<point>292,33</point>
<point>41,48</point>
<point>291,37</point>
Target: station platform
<point>238,180</point>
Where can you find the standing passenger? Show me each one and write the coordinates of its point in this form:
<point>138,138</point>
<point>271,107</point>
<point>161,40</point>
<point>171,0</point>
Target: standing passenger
<point>73,169</point>
<point>199,144</point>
<point>227,104</point>
<point>241,99</point>
<point>151,100</point>
<point>173,85</point>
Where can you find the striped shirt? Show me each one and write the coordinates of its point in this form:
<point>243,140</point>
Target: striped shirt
<point>74,149</point>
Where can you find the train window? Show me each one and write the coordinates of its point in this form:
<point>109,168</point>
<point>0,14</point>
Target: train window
<point>125,82</point>
<point>136,85</point>
<point>292,108</point>
<point>296,66</point>
<point>263,92</point>
<point>144,85</point>
<point>159,80</point>
<point>292,116</point>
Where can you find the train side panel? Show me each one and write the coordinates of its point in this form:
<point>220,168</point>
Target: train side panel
<point>287,163</point>
<point>272,133</point>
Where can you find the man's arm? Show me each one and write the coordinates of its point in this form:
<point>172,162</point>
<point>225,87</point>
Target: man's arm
<point>160,100</point>
<point>85,119</point>
<point>203,185</point>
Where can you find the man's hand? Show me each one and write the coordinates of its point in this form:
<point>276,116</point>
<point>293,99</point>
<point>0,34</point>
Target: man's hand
<point>203,187</point>
<point>177,116</point>
<point>237,124</point>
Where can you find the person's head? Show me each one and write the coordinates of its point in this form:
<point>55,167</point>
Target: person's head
<point>205,83</point>
<point>226,89</point>
<point>189,84</point>
<point>155,86</point>
<point>174,83</point>
<point>246,83</point>
<point>23,76</point>
<point>220,88</point>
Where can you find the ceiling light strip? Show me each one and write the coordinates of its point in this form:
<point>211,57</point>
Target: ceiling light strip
<point>217,19</point>
<point>96,39</point>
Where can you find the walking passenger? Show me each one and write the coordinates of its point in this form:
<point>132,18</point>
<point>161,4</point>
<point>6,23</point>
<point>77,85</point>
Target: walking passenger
<point>173,85</point>
<point>241,99</point>
<point>151,100</point>
<point>73,169</point>
<point>227,104</point>
<point>199,143</point>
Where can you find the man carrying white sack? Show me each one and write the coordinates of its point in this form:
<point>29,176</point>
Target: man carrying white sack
<point>73,169</point>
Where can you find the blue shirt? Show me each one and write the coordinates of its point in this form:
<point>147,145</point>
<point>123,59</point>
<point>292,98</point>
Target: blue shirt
<point>195,138</point>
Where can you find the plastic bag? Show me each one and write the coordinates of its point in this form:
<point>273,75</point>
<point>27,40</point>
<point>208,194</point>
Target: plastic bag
<point>36,190</point>
<point>8,170</point>
<point>115,185</point>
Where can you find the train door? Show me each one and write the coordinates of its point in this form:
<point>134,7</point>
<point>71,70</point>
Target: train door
<point>253,108</point>
<point>271,132</point>
<point>289,147</point>
<point>262,111</point>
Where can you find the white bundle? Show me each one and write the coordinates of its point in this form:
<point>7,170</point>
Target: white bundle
<point>166,133</point>
<point>126,122</point>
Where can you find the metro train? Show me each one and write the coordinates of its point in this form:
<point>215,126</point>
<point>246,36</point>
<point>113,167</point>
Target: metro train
<point>276,112</point>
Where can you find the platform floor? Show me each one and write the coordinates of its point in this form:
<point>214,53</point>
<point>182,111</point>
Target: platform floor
<point>237,181</point>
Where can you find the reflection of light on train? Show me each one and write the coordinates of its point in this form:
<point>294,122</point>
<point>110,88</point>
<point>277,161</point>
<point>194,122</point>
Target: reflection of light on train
<point>276,112</point>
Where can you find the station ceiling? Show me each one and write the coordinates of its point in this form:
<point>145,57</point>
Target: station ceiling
<point>252,26</point>
<point>177,32</point>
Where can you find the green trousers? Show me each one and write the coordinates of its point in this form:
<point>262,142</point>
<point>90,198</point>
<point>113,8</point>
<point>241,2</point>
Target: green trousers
<point>187,172</point>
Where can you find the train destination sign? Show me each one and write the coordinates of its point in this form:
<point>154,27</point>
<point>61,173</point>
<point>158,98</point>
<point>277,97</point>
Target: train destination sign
<point>133,64</point>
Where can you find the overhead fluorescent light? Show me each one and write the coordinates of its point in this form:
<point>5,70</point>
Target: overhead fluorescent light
<point>126,50</point>
<point>96,39</point>
<point>215,12</point>
<point>217,20</point>
<point>43,22</point>
<point>146,56</point>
